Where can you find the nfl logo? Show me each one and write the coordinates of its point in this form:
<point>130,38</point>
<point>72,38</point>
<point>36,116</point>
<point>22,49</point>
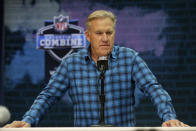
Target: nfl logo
<point>61,23</point>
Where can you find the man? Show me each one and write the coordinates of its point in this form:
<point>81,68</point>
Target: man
<point>78,74</point>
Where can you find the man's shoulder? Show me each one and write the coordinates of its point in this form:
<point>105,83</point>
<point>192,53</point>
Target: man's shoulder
<point>125,51</point>
<point>80,53</point>
<point>76,56</point>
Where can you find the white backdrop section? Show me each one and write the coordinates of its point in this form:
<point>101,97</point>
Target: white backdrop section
<point>4,115</point>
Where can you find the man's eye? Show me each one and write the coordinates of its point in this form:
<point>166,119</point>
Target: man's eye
<point>109,33</point>
<point>98,33</point>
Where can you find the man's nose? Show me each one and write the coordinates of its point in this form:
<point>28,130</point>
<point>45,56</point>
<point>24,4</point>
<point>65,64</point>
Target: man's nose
<point>105,37</point>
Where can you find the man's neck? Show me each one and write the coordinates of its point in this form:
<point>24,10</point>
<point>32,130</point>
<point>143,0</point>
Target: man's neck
<point>95,58</point>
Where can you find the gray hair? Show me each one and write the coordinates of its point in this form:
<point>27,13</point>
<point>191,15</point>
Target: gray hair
<point>100,14</point>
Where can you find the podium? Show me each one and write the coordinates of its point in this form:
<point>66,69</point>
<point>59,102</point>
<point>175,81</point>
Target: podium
<point>101,129</point>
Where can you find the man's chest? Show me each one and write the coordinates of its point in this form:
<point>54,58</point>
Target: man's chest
<point>85,82</point>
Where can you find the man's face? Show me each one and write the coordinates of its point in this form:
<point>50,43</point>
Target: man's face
<point>101,36</point>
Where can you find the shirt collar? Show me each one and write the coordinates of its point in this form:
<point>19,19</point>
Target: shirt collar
<point>87,54</point>
<point>113,54</point>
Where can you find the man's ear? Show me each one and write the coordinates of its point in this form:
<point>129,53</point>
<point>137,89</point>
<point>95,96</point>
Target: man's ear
<point>87,35</point>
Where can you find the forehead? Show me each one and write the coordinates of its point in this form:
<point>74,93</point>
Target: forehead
<point>101,23</point>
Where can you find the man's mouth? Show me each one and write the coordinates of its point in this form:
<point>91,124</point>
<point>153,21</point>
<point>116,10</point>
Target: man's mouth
<point>105,45</point>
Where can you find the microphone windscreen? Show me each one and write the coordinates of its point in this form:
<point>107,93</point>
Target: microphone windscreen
<point>102,63</point>
<point>102,58</point>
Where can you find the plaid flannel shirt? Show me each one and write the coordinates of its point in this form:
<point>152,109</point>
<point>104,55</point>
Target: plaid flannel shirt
<point>78,74</point>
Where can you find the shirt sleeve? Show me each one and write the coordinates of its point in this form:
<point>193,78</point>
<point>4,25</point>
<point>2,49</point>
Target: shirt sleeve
<point>147,83</point>
<point>55,89</point>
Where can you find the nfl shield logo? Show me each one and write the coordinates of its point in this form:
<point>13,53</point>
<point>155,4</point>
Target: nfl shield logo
<point>61,23</point>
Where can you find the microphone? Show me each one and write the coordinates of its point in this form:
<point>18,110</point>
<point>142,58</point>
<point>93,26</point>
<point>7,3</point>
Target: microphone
<point>4,115</point>
<point>102,63</point>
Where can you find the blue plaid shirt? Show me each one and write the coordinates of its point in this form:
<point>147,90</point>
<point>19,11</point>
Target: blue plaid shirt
<point>78,74</point>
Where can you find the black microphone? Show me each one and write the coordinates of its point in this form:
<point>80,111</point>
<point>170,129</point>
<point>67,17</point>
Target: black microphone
<point>102,63</point>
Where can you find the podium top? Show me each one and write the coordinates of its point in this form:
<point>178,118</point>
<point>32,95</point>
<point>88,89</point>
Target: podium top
<point>101,128</point>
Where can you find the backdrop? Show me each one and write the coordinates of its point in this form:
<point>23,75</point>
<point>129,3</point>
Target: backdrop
<point>163,32</point>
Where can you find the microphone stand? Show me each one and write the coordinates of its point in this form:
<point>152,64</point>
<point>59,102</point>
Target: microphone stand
<point>102,98</point>
<point>102,66</point>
